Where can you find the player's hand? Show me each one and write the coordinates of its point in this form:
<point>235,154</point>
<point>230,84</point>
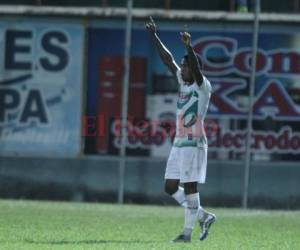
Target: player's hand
<point>185,38</point>
<point>150,26</point>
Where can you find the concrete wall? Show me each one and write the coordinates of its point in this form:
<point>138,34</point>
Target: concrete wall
<point>96,179</point>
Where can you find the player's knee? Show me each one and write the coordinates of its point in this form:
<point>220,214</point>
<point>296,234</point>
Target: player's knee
<point>171,187</point>
<point>190,188</point>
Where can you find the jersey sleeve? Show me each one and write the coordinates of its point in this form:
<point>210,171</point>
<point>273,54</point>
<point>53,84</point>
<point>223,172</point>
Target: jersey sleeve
<point>205,86</point>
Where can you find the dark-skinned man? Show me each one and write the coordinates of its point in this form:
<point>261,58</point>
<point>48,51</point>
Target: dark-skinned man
<point>188,157</point>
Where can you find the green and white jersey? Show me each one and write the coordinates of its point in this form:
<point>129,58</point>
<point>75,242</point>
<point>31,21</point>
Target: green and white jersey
<point>192,106</point>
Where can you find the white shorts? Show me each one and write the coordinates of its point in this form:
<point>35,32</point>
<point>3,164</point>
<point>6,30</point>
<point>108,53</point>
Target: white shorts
<point>187,164</point>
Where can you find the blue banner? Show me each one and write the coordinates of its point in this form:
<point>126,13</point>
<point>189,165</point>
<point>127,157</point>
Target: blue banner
<point>40,88</point>
<point>226,54</point>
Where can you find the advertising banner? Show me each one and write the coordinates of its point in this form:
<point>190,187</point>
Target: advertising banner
<point>276,112</point>
<point>41,66</point>
<point>226,54</point>
<point>162,110</point>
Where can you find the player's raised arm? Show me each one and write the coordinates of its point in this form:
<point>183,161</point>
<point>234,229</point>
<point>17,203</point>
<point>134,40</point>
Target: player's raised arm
<point>164,53</point>
<point>192,58</point>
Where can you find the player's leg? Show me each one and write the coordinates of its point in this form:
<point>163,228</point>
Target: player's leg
<point>191,190</point>
<point>205,218</point>
<point>193,171</point>
<point>194,212</point>
<point>171,186</point>
<point>205,225</point>
<point>172,176</point>
<point>191,211</point>
<point>177,192</point>
<point>193,203</point>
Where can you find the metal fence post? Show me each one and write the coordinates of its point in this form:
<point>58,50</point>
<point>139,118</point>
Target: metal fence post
<point>125,102</point>
<point>250,113</point>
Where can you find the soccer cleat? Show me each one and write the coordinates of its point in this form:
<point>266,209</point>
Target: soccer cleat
<point>182,238</point>
<point>205,225</point>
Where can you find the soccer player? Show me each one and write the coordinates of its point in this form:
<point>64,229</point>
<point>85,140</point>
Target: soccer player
<point>188,157</point>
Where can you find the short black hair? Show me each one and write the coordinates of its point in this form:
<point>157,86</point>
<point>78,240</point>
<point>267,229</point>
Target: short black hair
<point>186,57</point>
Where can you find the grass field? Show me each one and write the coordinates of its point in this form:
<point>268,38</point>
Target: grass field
<point>55,225</point>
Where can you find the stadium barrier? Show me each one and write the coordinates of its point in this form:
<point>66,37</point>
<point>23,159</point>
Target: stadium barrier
<point>95,179</point>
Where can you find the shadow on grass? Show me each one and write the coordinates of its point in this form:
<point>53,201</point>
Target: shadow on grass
<point>66,242</point>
